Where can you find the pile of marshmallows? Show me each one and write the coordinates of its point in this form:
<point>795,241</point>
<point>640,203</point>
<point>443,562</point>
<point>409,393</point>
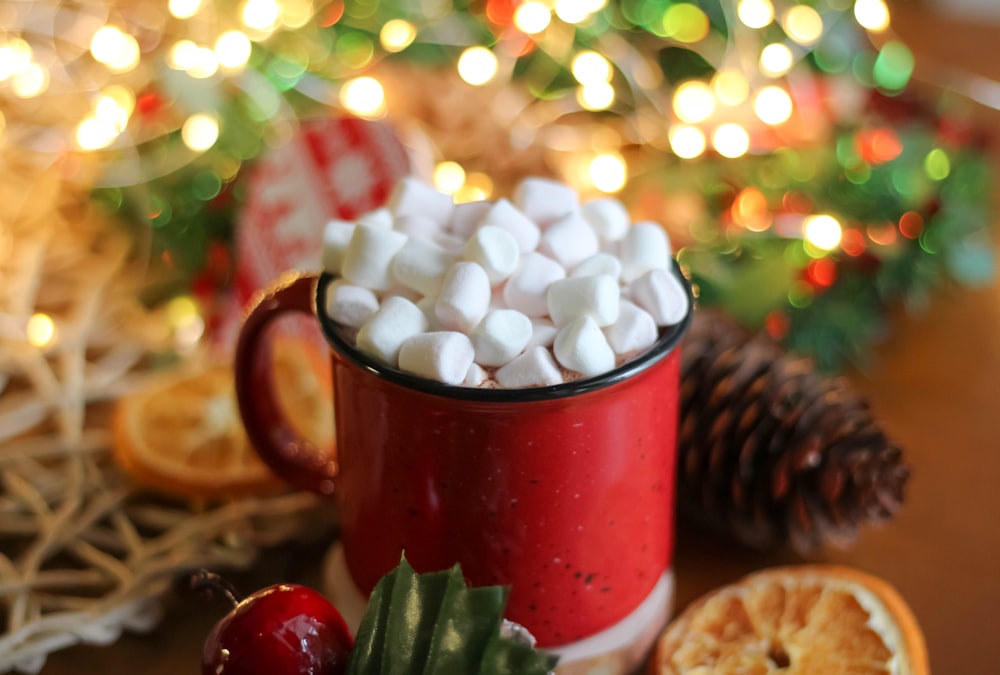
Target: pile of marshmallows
<point>531,291</point>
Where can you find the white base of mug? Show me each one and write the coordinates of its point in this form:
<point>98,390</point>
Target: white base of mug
<point>618,650</point>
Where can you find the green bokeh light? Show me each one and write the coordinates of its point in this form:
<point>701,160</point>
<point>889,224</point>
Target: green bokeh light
<point>206,185</point>
<point>800,294</point>
<point>160,211</point>
<point>893,66</point>
<point>937,164</point>
<point>685,22</point>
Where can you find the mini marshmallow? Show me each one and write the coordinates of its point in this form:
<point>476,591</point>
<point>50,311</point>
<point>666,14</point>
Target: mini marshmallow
<point>662,294</point>
<point>368,257</point>
<point>608,217</point>
<point>495,249</point>
<point>350,305</point>
<point>466,216</point>
<point>336,238</point>
<point>581,346</point>
<point>569,241</point>
<point>475,377</point>
<point>464,298</point>
<point>416,225</point>
<point>599,263</point>
<point>533,368</point>
<point>526,288</point>
<point>421,265</point>
<point>444,356</point>
<point>543,333</point>
<point>504,214</point>
<point>634,331</point>
<point>545,200</point>
<point>645,247</point>
<point>381,217</point>
<point>382,335</point>
<point>576,297</point>
<point>411,196</point>
<point>500,336</point>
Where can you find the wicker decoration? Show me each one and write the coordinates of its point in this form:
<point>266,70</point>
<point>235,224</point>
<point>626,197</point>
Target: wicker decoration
<point>83,552</point>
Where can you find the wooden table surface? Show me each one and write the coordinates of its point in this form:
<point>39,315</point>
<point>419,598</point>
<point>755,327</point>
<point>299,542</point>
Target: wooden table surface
<point>936,385</point>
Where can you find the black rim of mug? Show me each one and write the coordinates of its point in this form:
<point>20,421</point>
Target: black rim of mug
<point>666,342</point>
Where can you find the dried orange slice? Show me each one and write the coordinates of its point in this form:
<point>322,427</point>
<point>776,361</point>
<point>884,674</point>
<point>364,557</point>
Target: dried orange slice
<point>181,434</point>
<point>815,619</point>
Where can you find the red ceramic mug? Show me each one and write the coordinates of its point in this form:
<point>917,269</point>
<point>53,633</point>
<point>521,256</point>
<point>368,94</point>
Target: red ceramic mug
<point>566,493</point>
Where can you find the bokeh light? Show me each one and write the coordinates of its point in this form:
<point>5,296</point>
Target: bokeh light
<point>94,133</point>
<point>686,141</point>
<point>575,11</point>
<point>776,59</point>
<point>803,24</point>
<point>449,177</point>
<point>872,14</point>
<point>893,66</point>
<point>532,17</point>
<point>608,172</point>
<point>262,15</point>
<point>822,231</point>
<point>590,67</point>
<point>15,56</point>
<point>731,87</point>
<point>233,49</point>
<point>755,13</point>
<point>477,65</point>
<point>731,140</point>
<point>937,164</point>
<point>694,101</point>
<point>30,82</point>
<point>596,95</point>
<point>685,22</point>
<point>117,50</point>
<point>183,9</point>
<point>363,96</point>
<point>200,132</point>
<point>397,34</point>
<point>40,330</point>
<point>773,105</point>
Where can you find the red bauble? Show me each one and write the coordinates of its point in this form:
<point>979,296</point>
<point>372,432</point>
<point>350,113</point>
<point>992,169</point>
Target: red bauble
<point>284,629</point>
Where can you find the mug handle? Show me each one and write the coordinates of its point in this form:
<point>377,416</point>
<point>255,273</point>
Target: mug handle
<point>294,459</point>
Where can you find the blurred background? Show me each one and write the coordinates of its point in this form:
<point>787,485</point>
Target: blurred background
<point>825,169</point>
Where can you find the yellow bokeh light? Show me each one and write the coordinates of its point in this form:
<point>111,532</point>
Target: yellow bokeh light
<point>449,177</point>
<point>772,105</point>
<point>185,319</point>
<point>872,14</point>
<point>776,59</point>
<point>363,96</point>
<point>687,141</point>
<point>94,133</point>
<point>477,65</point>
<point>589,67</point>
<point>113,111</point>
<point>532,17</point>
<point>15,56</point>
<point>233,49</point>
<point>478,186</point>
<point>206,63</point>
<point>731,87</point>
<point>755,13</point>
<point>685,22</point>
<point>182,55</point>
<point>803,24</point>
<point>200,132</point>
<point>295,13</point>
<point>183,9</point>
<point>694,101</point>
<point>30,82</point>
<point>596,96</point>
<point>397,34</point>
<point>574,11</point>
<point>731,140</point>
<point>608,172</point>
<point>262,15</point>
<point>40,330</point>
<point>115,49</point>
<point>822,231</point>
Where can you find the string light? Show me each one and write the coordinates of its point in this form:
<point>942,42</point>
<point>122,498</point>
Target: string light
<point>694,101</point>
<point>803,24</point>
<point>776,59</point>
<point>200,132</point>
<point>596,95</point>
<point>589,67</point>
<point>772,105</point>
<point>686,141</point>
<point>233,49</point>
<point>872,15</point>
<point>731,140</point>
<point>396,35</point>
<point>755,13</point>
<point>477,65</point>
<point>822,231</point>
<point>363,96</point>
<point>40,330</point>
<point>608,172</point>
<point>532,17</point>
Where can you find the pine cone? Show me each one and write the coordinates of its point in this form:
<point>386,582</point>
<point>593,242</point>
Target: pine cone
<point>773,452</point>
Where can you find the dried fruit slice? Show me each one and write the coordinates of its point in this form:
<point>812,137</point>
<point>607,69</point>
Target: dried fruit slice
<point>815,619</point>
<point>181,434</point>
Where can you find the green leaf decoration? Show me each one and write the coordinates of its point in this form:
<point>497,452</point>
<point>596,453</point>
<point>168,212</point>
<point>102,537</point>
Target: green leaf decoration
<point>434,624</point>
